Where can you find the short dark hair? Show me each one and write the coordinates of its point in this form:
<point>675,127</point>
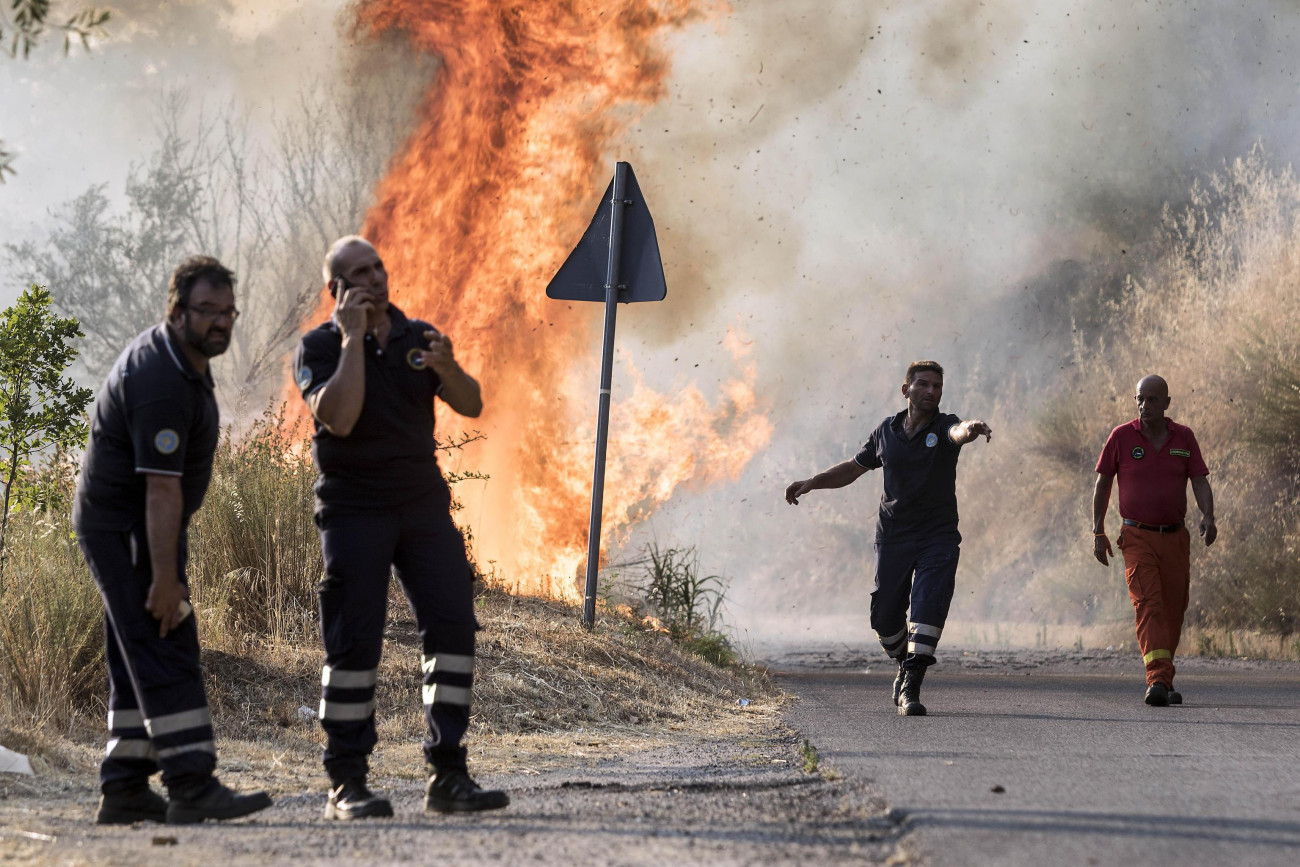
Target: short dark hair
<point>191,271</point>
<point>921,367</point>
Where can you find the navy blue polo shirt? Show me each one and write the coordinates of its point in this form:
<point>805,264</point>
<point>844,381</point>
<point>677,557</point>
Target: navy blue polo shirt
<point>920,496</point>
<point>388,459</point>
<point>154,414</point>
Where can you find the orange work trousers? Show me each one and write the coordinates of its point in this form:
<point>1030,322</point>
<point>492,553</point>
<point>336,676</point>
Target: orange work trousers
<point>1157,570</point>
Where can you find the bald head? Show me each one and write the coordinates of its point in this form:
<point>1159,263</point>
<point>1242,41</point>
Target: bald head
<point>1152,400</point>
<point>330,270</point>
<point>1154,385</point>
<point>352,263</point>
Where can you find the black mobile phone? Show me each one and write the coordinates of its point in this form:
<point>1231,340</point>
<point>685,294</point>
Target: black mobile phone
<point>337,285</point>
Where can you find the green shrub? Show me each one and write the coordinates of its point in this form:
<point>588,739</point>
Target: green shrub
<point>687,603</point>
<point>712,647</point>
<point>684,603</point>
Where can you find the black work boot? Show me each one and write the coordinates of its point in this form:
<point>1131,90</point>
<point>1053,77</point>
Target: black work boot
<point>1158,695</point>
<point>898,683</point>
<point>213,801</point>
<point>452,791</point>
<point>352,800</point>
<point>132,805</point>
<point>1175,697</point>
<point>909,700</point>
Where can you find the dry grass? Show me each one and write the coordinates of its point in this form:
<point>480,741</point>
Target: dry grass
<point>541,671</point>
<point>641,693</point>
<point>1217,313</point>
<point>51,628</point>
<point>546,691</point>
<point>538,673</point>
<point>254,551</point>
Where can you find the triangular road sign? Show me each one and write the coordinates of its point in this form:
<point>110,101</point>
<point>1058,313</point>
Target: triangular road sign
<point>641,271</point>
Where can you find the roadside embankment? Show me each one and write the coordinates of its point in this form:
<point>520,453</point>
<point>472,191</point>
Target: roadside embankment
<point>615,745</point>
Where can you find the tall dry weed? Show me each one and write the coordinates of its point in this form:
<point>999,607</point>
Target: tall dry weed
<point>51,626</point>
<point>254,555</point>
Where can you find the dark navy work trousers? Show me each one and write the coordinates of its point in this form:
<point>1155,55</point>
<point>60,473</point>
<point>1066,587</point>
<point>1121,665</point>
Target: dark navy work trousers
<point>158,716</point>
<point>421,546</point>
<point>919,575</point>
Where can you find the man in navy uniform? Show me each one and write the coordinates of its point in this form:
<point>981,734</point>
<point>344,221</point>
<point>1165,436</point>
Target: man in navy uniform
<point>917,543</point>
<point>370,376</point>
<point>146,469</point>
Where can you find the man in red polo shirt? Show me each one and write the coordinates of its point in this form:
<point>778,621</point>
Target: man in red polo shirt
<point>1153,457</point>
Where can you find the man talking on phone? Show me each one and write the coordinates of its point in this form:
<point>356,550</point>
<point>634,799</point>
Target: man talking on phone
<point>369,376</point>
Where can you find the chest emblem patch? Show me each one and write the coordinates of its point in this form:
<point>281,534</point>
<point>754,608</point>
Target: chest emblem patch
<point>166,441</point>
<point>304,377</point>
<point>415,358</point>
<point>931,440</point>
<point>1180,453</point>
<point>1138,453</point>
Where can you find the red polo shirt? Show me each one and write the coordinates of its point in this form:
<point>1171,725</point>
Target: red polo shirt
<point>1152,484</point>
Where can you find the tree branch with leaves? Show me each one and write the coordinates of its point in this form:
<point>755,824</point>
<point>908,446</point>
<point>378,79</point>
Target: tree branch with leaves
<point>22,25</point>
<point>40,408</point>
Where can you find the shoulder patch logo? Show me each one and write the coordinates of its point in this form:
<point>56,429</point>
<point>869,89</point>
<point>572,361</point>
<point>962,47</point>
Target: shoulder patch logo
<point>166,441</point>
<point>304,377</point>
<point>415,359</point>
<point>1138,453</point>
<point>931,440</point>
<point>1180,453</point>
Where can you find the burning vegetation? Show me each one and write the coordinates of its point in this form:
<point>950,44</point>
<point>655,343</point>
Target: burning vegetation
<point>479,209</point>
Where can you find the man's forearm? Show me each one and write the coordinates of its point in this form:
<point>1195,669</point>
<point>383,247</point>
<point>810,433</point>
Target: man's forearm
<point>963,433</point>
<point>337,404</point>
<point>164,504</point>
<point>838,476</point>
<point>1100,503</point>
<point>1204,496</point>
<point>461,392</point>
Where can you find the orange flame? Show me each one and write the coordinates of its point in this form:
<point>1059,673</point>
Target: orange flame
<point>477,213</point>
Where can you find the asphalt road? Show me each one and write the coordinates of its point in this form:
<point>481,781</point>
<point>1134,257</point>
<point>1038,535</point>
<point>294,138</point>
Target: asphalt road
<point>1088,774</point>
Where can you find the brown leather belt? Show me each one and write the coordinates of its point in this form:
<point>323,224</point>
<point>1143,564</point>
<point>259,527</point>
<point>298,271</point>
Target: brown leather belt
<point>1154,528</point>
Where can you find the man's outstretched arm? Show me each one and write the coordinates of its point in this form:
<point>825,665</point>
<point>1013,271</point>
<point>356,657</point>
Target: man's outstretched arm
<point>836,477</point>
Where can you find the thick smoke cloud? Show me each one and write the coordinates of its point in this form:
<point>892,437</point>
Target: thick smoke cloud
<point>856,186</point>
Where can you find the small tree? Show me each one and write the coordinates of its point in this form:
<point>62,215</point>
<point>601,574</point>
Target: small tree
<point>39,408</point>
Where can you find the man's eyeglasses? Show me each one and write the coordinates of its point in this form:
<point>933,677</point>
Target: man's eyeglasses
<point>231,313</point>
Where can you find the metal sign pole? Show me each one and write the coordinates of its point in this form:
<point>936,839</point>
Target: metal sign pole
<point>616,204</point>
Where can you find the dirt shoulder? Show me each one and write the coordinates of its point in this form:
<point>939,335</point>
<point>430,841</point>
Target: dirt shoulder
<point>657,799</point>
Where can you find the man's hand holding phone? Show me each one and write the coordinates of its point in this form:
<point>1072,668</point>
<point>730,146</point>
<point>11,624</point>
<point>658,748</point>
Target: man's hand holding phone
<point>352,306</point>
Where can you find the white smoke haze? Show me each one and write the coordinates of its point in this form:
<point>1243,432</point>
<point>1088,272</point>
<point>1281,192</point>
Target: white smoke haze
<point>82,119</point>
<point>860,185</point>
<point>850,185</point>
<point>293,120</point>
